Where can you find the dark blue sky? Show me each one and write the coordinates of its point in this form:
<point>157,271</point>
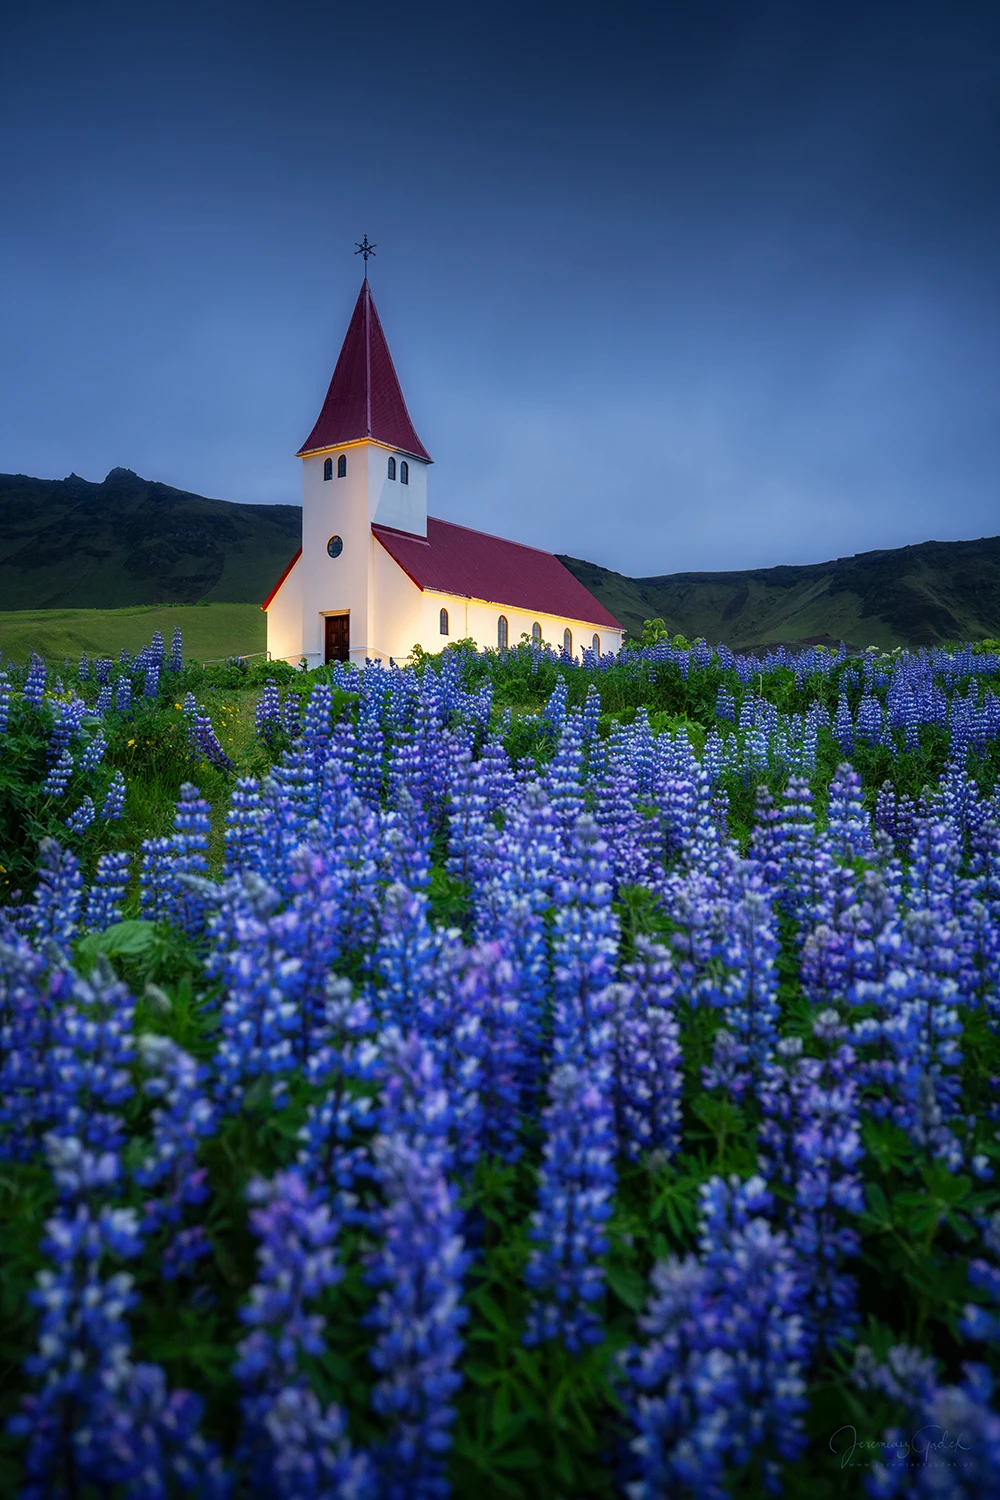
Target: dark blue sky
<point>685,285</point>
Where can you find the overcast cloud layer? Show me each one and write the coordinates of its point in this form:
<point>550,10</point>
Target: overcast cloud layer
<point>684,286</point>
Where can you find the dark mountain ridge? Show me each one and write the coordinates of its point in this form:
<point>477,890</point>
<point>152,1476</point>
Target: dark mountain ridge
<point>915,596</point>
<point>68,543</point>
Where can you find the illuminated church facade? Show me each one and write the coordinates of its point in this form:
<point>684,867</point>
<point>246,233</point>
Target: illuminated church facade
<point>376,575</point>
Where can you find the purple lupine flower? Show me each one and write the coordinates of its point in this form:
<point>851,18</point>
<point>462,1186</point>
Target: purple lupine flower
<point>942,1420</point>
<point>417,1269</point>
<point>192,824</point>
<point>811,1143</point>
<point>176,659</point>
<point>80,820</point>
<point>647,1076</point>
<point>720,1373</point>
<point>106,895</point>
<point>848,827</point>
<point>93,752</point>
<point>98,1418</point>
<point>244,829</point>
<point>289,1446</point>
<point>978,1322</point>
<point>114,801</point>
<point>158,879</point>
<point>55,911</point>
<point>68,721</point>
<point>843,726</point>
<point>576,1186</point>
<point>83,670</point>
<point>748,992</point>
<point>406,957</point>
<point>123,695</point>
<point>205,742</point>
<point>34,685</point>
<point>57,780</point>
<point>181,1117</point>
<point>585,934</point>
<point>267,718</point>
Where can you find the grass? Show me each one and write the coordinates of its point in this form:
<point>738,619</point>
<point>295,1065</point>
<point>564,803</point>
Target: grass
<point>210,631</point>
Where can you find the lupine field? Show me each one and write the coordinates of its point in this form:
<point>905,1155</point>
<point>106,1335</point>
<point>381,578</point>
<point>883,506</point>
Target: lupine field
<point>503,1075</point>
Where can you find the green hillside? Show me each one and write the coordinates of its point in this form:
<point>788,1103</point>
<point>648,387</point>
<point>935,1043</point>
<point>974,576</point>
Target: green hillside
<point>910,596</point>
<point>210,631</point>
<point>68,543</point>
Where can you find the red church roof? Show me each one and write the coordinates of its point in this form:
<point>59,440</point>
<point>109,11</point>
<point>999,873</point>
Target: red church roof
<point>364,399</point>
<point>456,560</point>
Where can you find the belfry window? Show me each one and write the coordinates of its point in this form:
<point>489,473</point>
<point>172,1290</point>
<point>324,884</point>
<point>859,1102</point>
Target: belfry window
<point>404,472</point>
<point>342,466</point>
<point>597,645</point>
<point>392,468</point>
<point>568,642</point>
<point>328,468</point>
<point>502,632</point>
<point>536,634</point>
<point>444,622</point>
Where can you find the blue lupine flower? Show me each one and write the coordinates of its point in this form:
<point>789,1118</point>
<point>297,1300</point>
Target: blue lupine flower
<point>34,685</point>
<point>721,1371</point>
<point>576,1186</point>
<point>811,1143</point>
<point>176,661</point>
<point>98,1418</point>
<point>106,895</point>
<point>181,1117</point>
<point>267,718</point>
<point>417,1269</point>
<point>114,802</point>
<point>80,820</point>
<point>942,1420</point>
<point>57,780</point>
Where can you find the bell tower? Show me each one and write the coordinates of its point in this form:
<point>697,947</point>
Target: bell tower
<point>362,463</point>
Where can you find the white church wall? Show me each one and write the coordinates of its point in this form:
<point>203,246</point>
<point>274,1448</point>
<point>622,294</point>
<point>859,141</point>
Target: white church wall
<point>332,585</point>
<point>284,618</point>
<point>393,503</point>
<point>397,609</point>
<point>478,620</point>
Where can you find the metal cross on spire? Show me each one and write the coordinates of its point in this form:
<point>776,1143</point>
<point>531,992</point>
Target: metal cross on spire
<point>364,249</point>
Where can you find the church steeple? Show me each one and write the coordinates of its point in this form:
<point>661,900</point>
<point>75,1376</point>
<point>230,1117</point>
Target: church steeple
<point>365,399</point>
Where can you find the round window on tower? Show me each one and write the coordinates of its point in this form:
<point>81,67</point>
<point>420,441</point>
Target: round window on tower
<point>335,546</point>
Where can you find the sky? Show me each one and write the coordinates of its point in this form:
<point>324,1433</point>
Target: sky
<point>693,285</point>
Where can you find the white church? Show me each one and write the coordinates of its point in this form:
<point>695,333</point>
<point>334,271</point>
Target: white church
<point>376,575</point>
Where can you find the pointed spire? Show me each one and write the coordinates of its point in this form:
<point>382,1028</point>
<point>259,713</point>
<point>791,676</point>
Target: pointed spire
<point>364,399</point>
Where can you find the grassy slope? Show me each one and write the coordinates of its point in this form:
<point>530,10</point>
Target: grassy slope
<point>937,591</point>
<point>210,630</point>
<point>130,541</point>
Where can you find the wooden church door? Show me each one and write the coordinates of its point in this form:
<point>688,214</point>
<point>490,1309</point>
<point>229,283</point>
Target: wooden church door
<point>338,638</point>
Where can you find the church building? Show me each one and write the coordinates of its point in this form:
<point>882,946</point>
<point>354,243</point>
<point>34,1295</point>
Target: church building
<point>376,575</point>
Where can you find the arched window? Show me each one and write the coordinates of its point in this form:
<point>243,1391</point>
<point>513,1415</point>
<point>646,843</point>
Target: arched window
<point>502,631</point>
<point>536,634</point>
<point>342,466</point>
<point>568,642</point>
<point>392,468</point>
<point>444,622</point>
<point>597,645</point>
<point>404,472</point>
<point>328,468</point>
